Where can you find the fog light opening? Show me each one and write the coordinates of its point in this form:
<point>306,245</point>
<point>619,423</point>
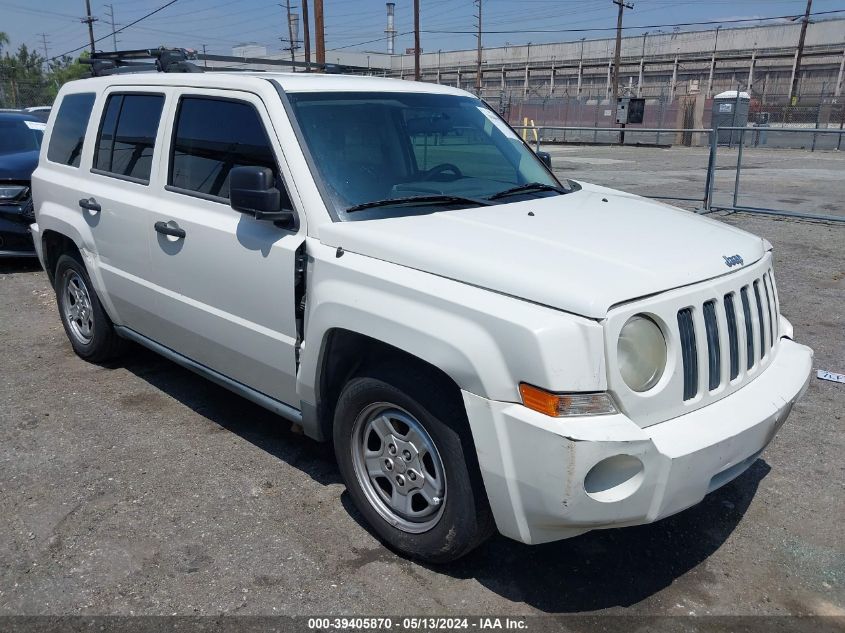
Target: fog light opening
<point>614,479</point>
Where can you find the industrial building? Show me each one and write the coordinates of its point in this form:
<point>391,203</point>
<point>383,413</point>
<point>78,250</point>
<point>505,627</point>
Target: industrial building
<point>656,64</point>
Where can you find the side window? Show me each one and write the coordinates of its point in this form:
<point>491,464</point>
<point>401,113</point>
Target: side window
<point>69,129</point>
<point>127,135</point>
<point>211,136</point>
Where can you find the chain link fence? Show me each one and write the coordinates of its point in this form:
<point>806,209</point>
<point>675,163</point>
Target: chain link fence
<point>16,93</point>
<point>666,109</point>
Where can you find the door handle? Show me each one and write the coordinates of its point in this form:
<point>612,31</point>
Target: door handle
<point>90,204</point>
<point>165,229</point>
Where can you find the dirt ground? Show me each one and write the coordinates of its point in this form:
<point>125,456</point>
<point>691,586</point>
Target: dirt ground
<point>140,488</point>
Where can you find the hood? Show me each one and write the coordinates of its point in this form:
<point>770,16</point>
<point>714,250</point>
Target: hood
<point>582,252</point>
<point>18,166</point>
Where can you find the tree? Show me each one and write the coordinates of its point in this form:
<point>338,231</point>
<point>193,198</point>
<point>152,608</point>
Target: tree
<point>24,81</point>
<point>64,69</point>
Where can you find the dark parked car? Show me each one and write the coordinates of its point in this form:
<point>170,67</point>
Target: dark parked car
<point>20,142</point>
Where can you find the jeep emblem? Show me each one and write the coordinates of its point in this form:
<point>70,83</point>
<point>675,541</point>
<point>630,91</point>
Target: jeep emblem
<point>733,260</point>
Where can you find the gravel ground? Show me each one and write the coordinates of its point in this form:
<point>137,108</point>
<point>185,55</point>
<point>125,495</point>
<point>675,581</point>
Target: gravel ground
<point>140,488</point>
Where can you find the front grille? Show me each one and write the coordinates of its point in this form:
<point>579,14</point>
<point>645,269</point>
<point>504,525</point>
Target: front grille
<point>28,210</point>
<point>754,328</point>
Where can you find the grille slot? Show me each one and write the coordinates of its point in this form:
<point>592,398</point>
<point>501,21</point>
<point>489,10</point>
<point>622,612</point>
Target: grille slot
<point>773,316</point>
<point>761,319</point>
<point>749,329</point>
<point>689,353</point>
<point>714,352</point>
<point>733,338</point>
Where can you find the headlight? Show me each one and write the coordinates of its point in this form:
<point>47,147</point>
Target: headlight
<point>641,353</point>
<point>10,192</point>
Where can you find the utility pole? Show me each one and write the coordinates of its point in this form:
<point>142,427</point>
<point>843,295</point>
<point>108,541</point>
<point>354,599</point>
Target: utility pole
<point>319,33</point>
<point>113,34</point>
<point>44,43</point>
<point>622,6</point>
<point>793,88</point>
<point>89,20</point>
<point>306,35</point>
<point>417,40</point>
<point>478,61</point>
<point>204,60</point>
<point>292,44</point>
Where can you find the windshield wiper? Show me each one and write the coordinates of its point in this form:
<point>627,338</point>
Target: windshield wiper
<point>432,199</point>
<point>527,187</point>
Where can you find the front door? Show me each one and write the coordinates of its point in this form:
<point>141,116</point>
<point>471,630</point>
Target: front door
<point>225,280</point>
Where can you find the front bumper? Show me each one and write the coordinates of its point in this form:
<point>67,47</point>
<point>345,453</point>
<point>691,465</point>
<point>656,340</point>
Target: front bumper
<point>551,478</point>
<point>15,238</point>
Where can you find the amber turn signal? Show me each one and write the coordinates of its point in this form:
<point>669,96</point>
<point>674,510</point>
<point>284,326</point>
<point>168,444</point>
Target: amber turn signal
<point>558,405</point>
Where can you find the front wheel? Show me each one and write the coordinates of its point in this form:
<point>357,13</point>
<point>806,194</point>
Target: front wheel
<point>403,453</point>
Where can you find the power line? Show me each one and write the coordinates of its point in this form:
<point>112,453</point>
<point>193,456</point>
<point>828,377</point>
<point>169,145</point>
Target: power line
<point>122,28</point>
<point>639,26</point>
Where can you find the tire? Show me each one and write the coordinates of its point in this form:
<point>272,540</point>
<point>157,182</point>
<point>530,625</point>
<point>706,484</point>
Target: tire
<point>86,324</point>
<point>378,417</point>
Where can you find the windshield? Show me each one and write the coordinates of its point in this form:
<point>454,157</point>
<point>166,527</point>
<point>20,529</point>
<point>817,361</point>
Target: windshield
<point>18,135</point>
<point>377,152</point>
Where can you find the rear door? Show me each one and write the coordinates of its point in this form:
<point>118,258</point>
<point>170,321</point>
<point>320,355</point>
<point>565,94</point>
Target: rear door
<point>226,287</point>
<point>117,194</point>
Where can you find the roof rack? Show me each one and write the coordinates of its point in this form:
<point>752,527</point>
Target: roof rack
<point>184,60</point>
<point>163,60</point>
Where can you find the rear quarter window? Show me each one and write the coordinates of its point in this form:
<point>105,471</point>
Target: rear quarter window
<point>69,129</point>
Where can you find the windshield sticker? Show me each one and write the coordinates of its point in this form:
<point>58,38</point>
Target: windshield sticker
<point>36,125</point>
<point>495,120</point>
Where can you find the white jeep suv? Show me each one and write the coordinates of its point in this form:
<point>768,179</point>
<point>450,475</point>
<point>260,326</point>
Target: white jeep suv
<point>387,264</point>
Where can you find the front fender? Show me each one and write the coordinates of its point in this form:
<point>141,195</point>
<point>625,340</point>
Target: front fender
<point>486,342</point>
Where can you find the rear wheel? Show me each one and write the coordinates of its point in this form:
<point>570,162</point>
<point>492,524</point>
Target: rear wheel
<point>406,456</point>
<point>86,324</point>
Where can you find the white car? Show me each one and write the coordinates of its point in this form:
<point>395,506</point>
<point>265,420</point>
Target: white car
<point>389,265</point>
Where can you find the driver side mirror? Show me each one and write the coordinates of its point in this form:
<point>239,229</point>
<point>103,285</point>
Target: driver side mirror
<point>253,192</point>
<point>546,158</point>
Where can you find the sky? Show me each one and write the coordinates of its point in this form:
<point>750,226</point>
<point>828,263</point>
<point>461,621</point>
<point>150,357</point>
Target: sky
<point>358,24</point>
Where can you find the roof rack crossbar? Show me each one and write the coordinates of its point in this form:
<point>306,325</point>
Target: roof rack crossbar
<point>167,60</point>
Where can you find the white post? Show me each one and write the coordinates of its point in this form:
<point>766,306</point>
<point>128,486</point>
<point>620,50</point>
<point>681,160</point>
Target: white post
<point>609,71</point>
<point>710,78</point>
<point>580,70</point>
<point>674,80</point>
<point>838,90</point>
<point>503,78</point>
<point>525,84</point>
<point>640,80</point>
<point>794,65</point>
<point>751,70</point>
